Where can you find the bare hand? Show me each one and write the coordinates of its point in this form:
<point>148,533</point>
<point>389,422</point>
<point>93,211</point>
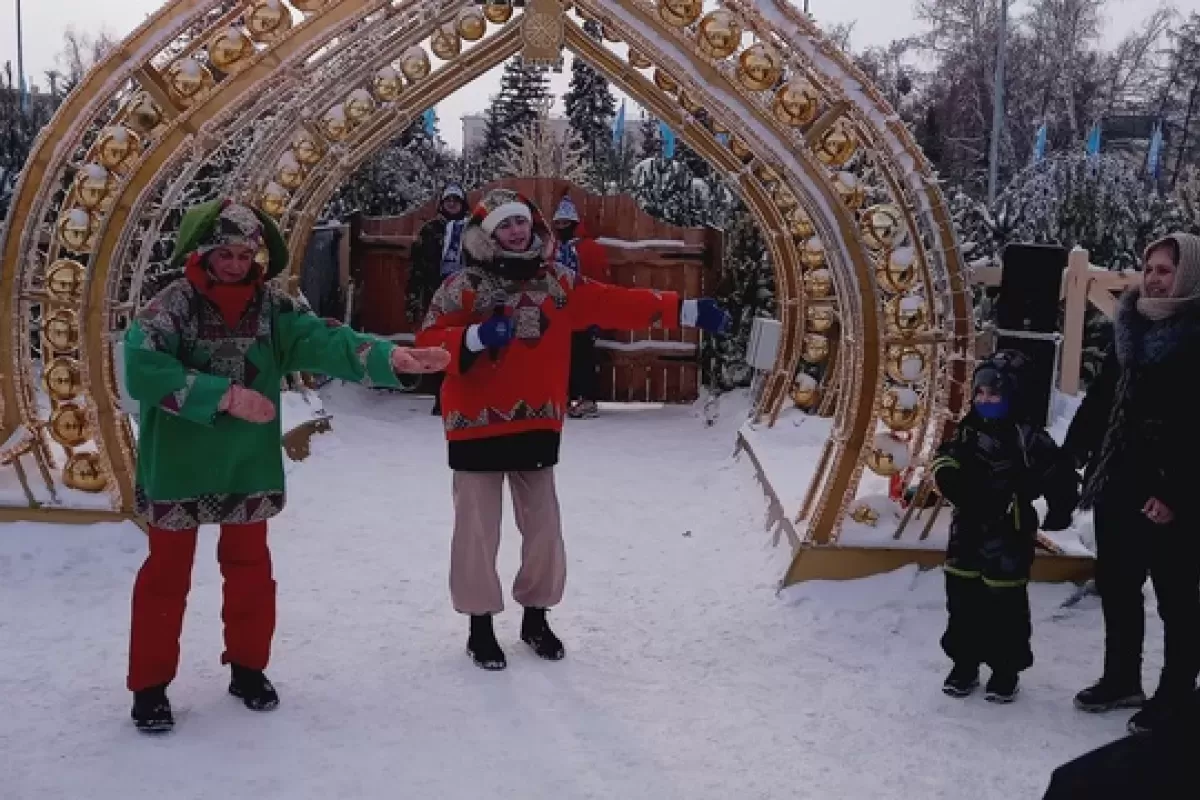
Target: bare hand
<point>1157,512</point>
<point>247,404</point>
<point>420,360</point>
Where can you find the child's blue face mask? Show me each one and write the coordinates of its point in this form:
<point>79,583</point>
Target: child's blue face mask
<point>992,410</point>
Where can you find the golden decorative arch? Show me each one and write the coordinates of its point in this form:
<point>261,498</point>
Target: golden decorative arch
<point>277,102</point>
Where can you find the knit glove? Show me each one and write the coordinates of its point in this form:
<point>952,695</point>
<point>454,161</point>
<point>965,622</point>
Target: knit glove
<point>493,334</point>
<point>706,315</point>
<point>247,404</point>
<point>419,360</point>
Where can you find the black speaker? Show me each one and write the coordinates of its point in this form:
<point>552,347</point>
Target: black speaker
<point>1037,379</point>
<point>1030,284</point>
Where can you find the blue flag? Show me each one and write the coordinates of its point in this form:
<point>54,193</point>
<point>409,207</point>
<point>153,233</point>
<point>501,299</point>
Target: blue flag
<point>1154,157</point>
<point>618,130</point>
<point>668,140</point>
<point>1039,146</point>
<point>429,119</point>
<point>1093,142</point>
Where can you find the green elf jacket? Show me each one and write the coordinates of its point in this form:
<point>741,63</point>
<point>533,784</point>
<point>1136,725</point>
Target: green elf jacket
<point>197,466</point>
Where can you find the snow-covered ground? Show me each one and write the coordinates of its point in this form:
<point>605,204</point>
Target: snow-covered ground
<point>686,675</point>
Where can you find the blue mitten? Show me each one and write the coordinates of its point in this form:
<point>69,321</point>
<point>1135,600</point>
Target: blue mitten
<point>494,333</point>
<point>706,315</point>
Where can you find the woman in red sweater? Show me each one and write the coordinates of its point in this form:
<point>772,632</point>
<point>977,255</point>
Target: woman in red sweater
<point>506,320</point>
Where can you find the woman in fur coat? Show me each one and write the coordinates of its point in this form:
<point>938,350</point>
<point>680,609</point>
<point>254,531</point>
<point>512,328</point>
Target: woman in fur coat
<point>1137,433</point>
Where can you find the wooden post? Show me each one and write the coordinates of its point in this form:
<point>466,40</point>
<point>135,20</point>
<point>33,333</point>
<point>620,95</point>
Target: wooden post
<point>1077,286</point>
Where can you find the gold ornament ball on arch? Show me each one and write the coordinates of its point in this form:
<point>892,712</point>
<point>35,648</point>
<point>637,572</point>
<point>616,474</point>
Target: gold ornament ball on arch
<point>84,472</point>
<point>882,227</point>
<point>818,284</point>
<point>415,63</point>
<point>93,186</point>
<point>61,330</point>
<point>387,85</point>
<point>268,20</point>
<point>360,105</point>
<point>445,43</point>
<point>679,13</point>
<point>813,255</point>
<point>837,146</point>
<point>309,6</point>
<point>77,230</point>
<point>897,273</point>
<point>801,224</point>
<point>819,318</point>
<point>471,24</point>
<point>816,348</point>
<point>307,149</point>
<point>144,113</point>
<point>805,391</point>
<point>62,380</point>
<point>498,13</point>
<point>900,409</point>
<point>906,363</point>
<point>64,281</point>
<point>68,425</point>
<point>229,50</point>
<point>290,173</point>
<point>906,315</point>
<point>759,67</point>
<point>188,78</point>
<point>796,103</point>
<point>719,34</point>
<point>116,147</point>
<point>335,123</point>
<point>275,200</point>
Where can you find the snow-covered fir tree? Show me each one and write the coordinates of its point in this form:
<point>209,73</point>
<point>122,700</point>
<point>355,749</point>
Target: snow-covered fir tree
<point>535,150</point>
<point>524,90</point>
<point>591,108</point>
<point>669,190</point>
<point>650,141</point>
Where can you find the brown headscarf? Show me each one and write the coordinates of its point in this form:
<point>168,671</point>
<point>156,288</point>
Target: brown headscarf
<point>1186,290</point>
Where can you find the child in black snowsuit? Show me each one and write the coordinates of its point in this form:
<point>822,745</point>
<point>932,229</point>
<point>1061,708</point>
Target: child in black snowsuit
<point>998,462</point>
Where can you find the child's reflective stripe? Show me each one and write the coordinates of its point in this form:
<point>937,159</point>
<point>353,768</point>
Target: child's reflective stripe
<point>992,583</point>
<point>962,573</point>
<point>944,461</point>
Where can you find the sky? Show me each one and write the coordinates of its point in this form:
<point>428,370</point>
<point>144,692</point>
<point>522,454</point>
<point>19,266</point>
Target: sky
<point>876,22</point>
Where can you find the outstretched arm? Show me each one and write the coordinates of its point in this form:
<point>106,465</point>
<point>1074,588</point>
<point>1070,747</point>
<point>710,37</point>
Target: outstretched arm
<point>155,376</point>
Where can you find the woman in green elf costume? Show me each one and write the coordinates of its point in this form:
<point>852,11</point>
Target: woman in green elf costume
<point>205,361</point>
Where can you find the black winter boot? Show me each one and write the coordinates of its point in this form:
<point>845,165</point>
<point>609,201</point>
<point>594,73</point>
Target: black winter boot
<point>962,681</point>
<point>482,645</point>
<point>152,710</point>
<point>1002,687</point>
<point>1109,695</point>
<point>536,633</point>
<point>252,688</point>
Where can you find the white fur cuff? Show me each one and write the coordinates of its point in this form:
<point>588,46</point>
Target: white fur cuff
<point>503,212</point>
<point>689,314</point>
<point>474,343</point>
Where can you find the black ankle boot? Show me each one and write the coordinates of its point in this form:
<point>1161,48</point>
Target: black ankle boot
<point>536,633</point>
<point>152,710</point>
<point>252,688</point>
<point>482,645</point>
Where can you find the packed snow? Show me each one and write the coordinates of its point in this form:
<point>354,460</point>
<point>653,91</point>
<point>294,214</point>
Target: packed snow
<point>687,675</point>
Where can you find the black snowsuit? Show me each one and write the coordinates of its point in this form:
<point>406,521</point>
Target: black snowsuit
<point>1136,431</point>
<point>425,278</point>
<point>992,472</point>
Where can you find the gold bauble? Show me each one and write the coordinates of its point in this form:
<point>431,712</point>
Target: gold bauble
<point>61,330</point>
<point>638,61</point>
<point>274,200</point>
<point>62,380</point>
<point>865,515</point>
<point>307,149</point>
<point>93,186</point>
<point>290,173</point>
<point>609,34</point>
<point>414,63</point>
<point>268,20</point>
<point>498,13</point>
<point>472,25</point>
<point>898,411</point>
<point>229,49</point>
<point>76,229</point>
<point>850,189</point>
<point>679,13</point>
<point>759,67</point>
<point>68,425</point>
<point>906,314</point>
<point>740,149</point>
<point>187,78</point>
<point>813,255</point>
<point>882,226</point>
<point>719,34</point>
<point>445,42</point>
<point>887,456</point>
<point>64,280</point>
<point>818,284</point>
<point>309,5</point>
<point>905,364</point>
<point>360,105</point>
<point>665,82</point>
<point>144,113</point>
<point>806,392</point>
<point>387,85</point>
<point>820,318</point>
<point>85,472</point>
<point>263,258</point>
<point>898,274</point>
<point>116,147</point>
<point>816,348</point>
<point>796,103</point>
<point>837,146</point>
<point>335,123</point>
<point>802,224</point>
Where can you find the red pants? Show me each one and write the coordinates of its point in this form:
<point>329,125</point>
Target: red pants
<point>160,598</point>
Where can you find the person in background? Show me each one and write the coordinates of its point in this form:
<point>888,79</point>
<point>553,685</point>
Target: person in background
<point>992,470</point>
<point>507,320</point>
<point>584,256</point>
<point>437,254</point>
<point>205,360</point>
<point>1136,434</point>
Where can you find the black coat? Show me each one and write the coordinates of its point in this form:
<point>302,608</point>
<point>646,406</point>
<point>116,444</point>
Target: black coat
<point>1137,427</point>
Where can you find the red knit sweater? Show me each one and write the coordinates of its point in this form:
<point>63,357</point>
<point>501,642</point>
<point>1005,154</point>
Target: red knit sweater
<point>523,387</point>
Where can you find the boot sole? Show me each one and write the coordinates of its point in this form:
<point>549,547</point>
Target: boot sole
<point>958,692</point>
<point>269,706</point>
<point>558,655</point>
<point>155,729</point>
<point>1123,704</point>
<point>1001,699</point>
<point>489,666</point>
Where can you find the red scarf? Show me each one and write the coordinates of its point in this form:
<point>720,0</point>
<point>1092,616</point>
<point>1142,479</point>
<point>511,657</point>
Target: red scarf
<point>231,299</point>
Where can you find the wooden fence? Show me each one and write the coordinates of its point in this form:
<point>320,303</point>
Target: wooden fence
<point>645,365</point>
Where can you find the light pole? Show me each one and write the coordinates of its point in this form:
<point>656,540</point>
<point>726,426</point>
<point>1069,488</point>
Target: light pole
<point>998,104</point>
<point>21,62</point>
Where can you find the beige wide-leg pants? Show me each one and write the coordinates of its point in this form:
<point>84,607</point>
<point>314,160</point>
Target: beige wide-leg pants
<point>478,510</point>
